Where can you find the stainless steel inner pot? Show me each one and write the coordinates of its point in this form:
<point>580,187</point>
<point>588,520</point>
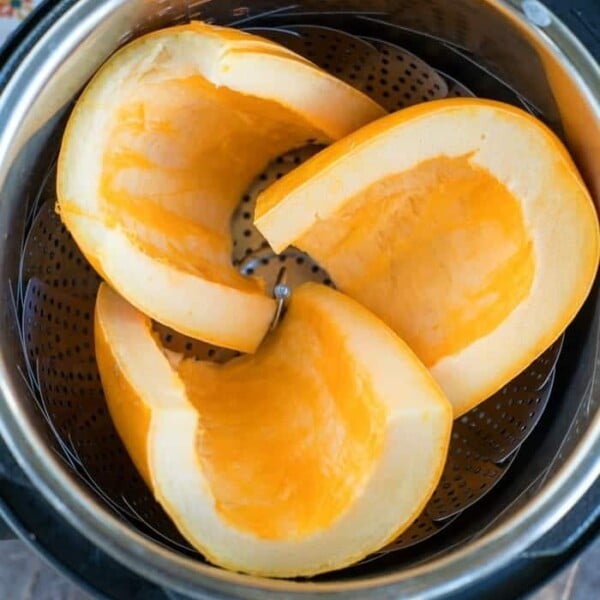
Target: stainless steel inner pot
<point>510,50</point>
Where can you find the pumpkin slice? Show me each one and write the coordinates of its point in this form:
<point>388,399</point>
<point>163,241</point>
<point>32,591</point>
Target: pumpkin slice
<point>160,149</point>
<point>302,458</point>
<point>463,224</point>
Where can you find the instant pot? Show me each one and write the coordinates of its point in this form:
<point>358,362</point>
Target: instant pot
<point>66,485</point>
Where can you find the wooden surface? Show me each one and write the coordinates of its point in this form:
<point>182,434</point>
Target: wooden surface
<point>24,576</point>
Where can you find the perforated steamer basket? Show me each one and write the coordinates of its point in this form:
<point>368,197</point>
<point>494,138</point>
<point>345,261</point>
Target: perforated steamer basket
<point>518,463</point>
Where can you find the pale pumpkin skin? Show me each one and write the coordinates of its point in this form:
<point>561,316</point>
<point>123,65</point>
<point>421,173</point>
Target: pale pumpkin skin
<point>462,223</point>
<point>182,120</point>
<point>302,458</point>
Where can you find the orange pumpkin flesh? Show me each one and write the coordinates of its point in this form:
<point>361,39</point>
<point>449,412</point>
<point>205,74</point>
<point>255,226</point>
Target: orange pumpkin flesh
<point>308,455</point>
<point>183,120</point>
<point>463,224</point>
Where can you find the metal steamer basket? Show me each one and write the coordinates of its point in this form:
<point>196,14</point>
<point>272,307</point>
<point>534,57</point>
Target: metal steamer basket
<point>518,463</point>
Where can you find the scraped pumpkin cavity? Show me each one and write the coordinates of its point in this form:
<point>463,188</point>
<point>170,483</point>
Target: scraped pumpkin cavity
<point>440,252</point>
<point>285,460</point>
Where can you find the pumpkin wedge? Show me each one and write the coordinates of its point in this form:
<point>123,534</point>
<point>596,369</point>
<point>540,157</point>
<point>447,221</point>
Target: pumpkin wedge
<point>463,224</point>
<point>160,149</point>
<point>302,458</point>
